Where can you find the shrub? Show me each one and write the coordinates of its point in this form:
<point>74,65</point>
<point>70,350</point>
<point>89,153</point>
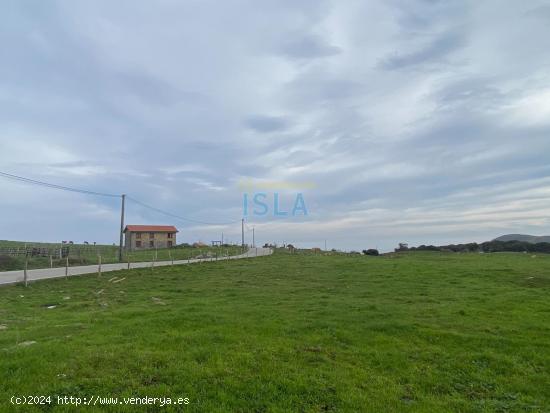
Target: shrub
<point>8,263</point>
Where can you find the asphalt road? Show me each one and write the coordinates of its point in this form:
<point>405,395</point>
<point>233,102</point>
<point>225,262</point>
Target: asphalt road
<point>12,277</point>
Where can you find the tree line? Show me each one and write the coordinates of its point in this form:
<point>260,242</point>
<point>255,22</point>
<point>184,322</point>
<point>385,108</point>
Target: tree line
<point>489,246</point>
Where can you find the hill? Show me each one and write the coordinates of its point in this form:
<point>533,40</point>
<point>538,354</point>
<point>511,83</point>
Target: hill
<point>532,239</point>
<point>409,332</point>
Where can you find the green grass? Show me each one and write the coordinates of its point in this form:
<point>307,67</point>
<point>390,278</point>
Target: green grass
<point>88,254</point>
<point>423,332</point>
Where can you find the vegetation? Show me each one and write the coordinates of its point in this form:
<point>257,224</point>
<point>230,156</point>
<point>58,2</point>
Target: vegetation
<point>411,332</point>
<point>489,246</point>
<point>79,254</point>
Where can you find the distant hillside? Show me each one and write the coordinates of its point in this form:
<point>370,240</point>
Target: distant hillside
<point>532,239</point>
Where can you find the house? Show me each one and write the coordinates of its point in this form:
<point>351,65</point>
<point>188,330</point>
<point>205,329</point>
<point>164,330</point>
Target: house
<point>139,237</point>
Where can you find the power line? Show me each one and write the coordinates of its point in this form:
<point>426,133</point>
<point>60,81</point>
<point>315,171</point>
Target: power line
<point>83,191</point>
<point>170,214</point>
<point>60,187</point>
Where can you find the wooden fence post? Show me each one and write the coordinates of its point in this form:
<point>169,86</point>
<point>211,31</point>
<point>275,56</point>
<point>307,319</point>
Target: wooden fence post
<point>128,258</point>
<point>66,266</point>
<point>51,261</point>
<point>25,276</point>
<point>99,265</point>
<point>170,256</point>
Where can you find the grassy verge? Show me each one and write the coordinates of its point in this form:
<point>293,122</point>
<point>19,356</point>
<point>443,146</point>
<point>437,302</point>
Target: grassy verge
<point>424,332</point>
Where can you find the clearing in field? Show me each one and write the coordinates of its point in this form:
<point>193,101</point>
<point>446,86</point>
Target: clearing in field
<point>423,332</point>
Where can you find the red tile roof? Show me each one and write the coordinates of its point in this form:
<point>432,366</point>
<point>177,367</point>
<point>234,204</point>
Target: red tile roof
<point>151,228</point>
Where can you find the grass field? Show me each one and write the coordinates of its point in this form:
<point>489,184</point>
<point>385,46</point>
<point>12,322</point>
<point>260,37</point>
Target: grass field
<point>88,254</point>
<point>422,332</point>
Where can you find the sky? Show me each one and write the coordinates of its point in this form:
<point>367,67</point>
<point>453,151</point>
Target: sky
<point>424,122</point>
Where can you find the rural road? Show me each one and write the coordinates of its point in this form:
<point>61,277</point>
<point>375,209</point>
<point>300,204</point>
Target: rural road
<point>12,277</point>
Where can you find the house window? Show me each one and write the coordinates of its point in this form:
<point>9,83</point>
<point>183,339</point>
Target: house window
<point>151,235</point>
<point>138,244</point>
<point>170,244</point>
<point>138,235</point>
<point>170,235</point>
<point>151,243</point>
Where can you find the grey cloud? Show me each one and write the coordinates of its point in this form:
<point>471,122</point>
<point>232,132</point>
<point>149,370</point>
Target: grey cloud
<point>315,88</point>
<point>541,12</point>
<point>308,47</point>
<point>267,124</point>
<point>475,93</point>
<point>434,52</point>
<point>153,91</point>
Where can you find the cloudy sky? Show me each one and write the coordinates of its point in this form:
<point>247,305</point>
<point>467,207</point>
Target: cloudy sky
<point>417,121</point>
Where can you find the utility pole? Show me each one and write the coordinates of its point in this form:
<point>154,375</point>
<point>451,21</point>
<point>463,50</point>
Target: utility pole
<point>242,234</point>
<point>121,228</point>
<point>222,238</point>
<point>253,238</point>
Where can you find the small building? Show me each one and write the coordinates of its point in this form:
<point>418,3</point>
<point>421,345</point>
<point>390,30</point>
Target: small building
<point>140,237</point>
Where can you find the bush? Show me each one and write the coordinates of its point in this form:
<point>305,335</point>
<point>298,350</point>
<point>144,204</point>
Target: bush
<point>8,263</point>
<point>371,251</point>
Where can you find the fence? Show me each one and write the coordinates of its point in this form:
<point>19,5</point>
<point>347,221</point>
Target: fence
<point>58,251</point>
<point>35,252</point>
<point>55,255</point>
